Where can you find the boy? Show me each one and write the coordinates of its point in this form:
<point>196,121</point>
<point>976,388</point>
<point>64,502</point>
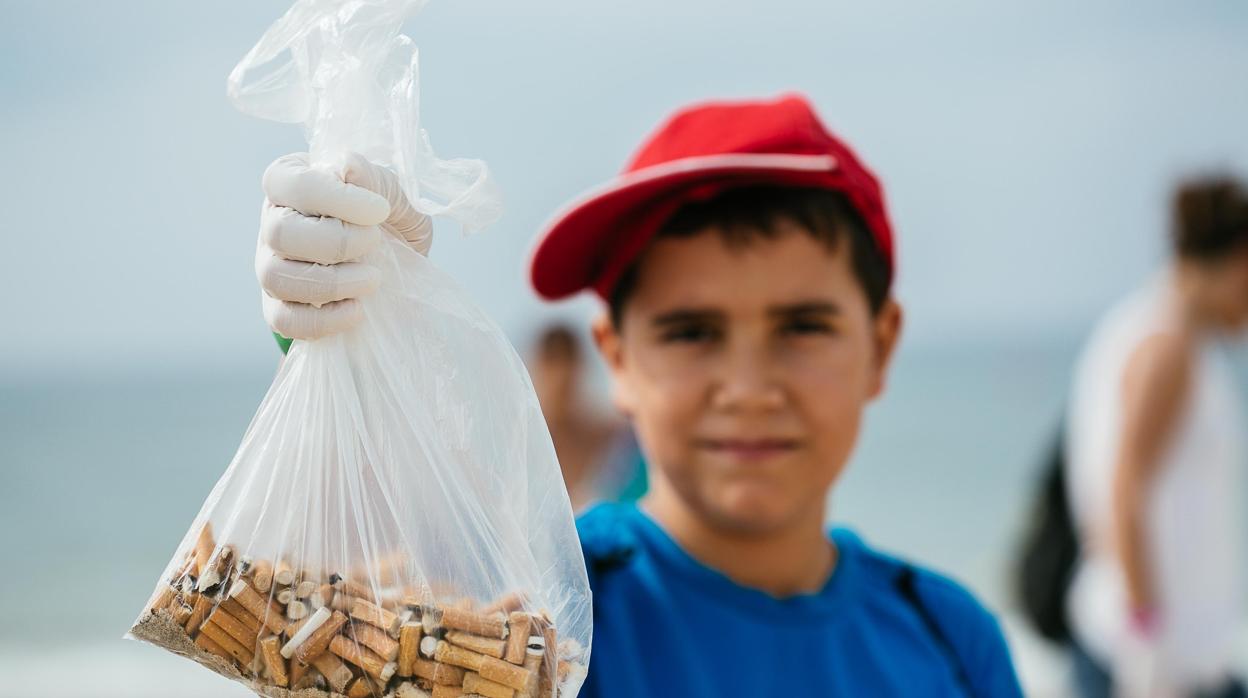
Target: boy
<point>746,260</point>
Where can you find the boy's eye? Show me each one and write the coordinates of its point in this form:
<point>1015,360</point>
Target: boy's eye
<point>807,326</point>
<point>691,333</point>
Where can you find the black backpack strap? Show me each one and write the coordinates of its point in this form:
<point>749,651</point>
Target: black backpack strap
<point>908,588</point>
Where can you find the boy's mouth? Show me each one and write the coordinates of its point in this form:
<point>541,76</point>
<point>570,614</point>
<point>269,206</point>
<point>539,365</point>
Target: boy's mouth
<point>749,449</point>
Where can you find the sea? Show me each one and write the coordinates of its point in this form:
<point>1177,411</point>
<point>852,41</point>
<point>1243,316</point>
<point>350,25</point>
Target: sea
<point>103,473</point>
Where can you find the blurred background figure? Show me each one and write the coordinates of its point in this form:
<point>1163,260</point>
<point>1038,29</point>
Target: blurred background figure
<point>597,451</point>
<point>1155,441</point>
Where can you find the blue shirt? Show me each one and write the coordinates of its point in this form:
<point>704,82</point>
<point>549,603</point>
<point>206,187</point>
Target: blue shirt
<point>666,625</point>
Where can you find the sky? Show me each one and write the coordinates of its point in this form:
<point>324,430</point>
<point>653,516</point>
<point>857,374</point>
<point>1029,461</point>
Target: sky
<point>1027,149</point>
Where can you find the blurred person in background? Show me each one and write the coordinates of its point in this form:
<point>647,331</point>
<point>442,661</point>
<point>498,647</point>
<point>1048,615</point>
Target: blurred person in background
<point>597,453</point>
<point>1155,441</point>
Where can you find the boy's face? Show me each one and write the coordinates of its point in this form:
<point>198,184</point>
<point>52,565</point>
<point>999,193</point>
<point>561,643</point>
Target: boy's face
<point>746,370</point>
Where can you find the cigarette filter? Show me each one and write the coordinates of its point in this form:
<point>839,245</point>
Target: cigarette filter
<point>283,573</point>
<point>373,638</point>
<point>484,645</point>
<point>257,606</point>
<point>206,643</point>
<point>228,643</point>
<point>437,672</point>
<point>518,625</point>
<point>409,647</point>
<point>474,683</point>
<point>378,616</point>
<point>363,657</point>
<point>494,626</point>
<point>222,619</point>
<point>444,691</point>
<point>262,575</point>
<point>273,660</point>
<point>335,672</point>
<point>319,639</point>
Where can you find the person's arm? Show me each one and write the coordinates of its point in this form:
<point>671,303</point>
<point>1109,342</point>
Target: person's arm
<point>1154,389</point>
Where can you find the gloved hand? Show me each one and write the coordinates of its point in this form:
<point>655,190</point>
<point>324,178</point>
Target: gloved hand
<point>316,222</point>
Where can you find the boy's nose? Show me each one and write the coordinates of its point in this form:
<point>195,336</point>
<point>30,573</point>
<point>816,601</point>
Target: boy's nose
<point>747,383</point>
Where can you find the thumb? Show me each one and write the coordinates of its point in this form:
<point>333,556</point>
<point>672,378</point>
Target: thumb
<point>404,220</point>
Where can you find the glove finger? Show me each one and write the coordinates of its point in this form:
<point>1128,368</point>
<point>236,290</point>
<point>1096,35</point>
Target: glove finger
<point>293,182</point>
<point>323,240</point>
<point>315,284</point>
<point>301,321</point>
<point>404,220</point>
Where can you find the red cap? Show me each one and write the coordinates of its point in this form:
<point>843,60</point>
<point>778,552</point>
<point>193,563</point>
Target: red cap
<point>699,152</point>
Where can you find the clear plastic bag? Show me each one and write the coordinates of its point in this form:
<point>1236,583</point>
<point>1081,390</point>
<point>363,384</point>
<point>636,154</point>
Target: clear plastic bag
<point>394,519</point>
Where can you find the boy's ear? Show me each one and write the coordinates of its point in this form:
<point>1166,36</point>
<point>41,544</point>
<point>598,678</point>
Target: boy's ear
<point>611,348</point>
<point>887,330</point>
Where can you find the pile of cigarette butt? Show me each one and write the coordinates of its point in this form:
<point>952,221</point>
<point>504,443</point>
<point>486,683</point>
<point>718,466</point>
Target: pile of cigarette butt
<point>288,632</point>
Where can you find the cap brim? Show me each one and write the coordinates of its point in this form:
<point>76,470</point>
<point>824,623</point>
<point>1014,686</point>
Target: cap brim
<point>584,240</point>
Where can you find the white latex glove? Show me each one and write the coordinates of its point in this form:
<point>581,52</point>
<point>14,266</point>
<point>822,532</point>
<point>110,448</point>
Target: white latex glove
<point>316,222</point>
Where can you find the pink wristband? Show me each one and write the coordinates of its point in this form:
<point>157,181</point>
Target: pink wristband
<point>1143,621</point>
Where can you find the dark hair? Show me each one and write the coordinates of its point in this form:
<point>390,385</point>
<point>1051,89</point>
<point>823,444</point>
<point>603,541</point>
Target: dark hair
<point>741,215</point>
<point>1210,218</point>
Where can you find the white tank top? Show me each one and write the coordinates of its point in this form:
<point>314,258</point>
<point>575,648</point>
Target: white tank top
<point>1192,524</point>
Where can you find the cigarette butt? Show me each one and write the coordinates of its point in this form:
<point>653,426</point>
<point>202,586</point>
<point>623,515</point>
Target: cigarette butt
<point>444,691</point>
<point>546,628</point>
<point>217,567</point>
<point>407,689</point>
<point>163,599</point>
<point>483,645</point>
<point>506,673</point>
<point>244,565</point>
<point>296,610</point>
<point>304,676</point>
<point>409,647</point>
<point>262,575</point>
<point>283,573</point>
<point>341,602</point>
<point>438,672</point>
<point>203,604</point>
<point>428,646</point>
<point>322,597</point>
<point>285,596</point>
<point>362,687</point>
<point>496,670</point>
<point>508,604</point>
<point>318,639</point>
<point>335,672</point>
<point>475,683</point>
<point>447,653</point>
<point>293,629</point>
<point>271,654</point>
<point>257,605</point>
<point>305,588</point>
<point>295,671</point>
<point>350,588</point>
<point>241,614</point>
<point>376,640</point>
<point>363,657</point>
<point>180,610</point>
<point>206,643</point>
<point>494,626</point>
<point>378,616</point>
<point>204,545</point>
<point>228,643</point>
<point>222,619</point>
<point>518,625</point>
<point>533,658</point>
